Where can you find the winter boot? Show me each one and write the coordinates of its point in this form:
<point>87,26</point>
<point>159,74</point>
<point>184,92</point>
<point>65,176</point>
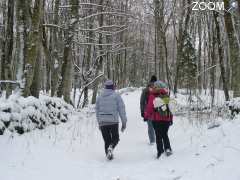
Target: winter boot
<point>158,155</point>
<point>110,153</point>
<point>168,152</point>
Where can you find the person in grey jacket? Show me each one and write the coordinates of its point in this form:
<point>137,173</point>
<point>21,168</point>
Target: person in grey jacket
<point>109,106</point>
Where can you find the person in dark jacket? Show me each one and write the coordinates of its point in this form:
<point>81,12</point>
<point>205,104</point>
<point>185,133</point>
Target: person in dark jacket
<point>109,106</point>
<point>158,112</point>
<point>143,103</point>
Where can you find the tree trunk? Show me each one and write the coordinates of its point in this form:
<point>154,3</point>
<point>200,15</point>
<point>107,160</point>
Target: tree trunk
<point>8,49</point>
<point>234,52</point>
<point>200,55</point>
<point>159,23</point>
<point>33,46</point>
<point>182,33</point>
<point>88,59</point>
<point>21,39</point>
<point>55,64</point>
<point>212,57</point>
<point>3,40</point>
<point>35,87</point>
<point>66,73</point>
<point>221,56</point>
<point>99,64</point>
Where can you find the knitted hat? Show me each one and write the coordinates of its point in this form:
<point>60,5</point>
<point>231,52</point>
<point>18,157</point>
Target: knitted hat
<point>109,84</point>
<point>159,85</point>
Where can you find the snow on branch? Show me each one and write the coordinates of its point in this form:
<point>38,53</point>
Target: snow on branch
<point>119,49</point>
<point>103,27</point>
<point>88,4</point>
<point>86,85</point>
<point>9,82</point>
<point>106,13</point>
<point>95,44</point>
<point>75,64</point>
<point>54,26</point>
<point>116,32</point>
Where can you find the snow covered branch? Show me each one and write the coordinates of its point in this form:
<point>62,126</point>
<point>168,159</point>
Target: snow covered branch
<point>88,4</point>
<point>54,26</point>
<point>103,27</point>
<point>107,13</point>
<point>95,44</point>
<point>9,82</point>
<point>88,84</point>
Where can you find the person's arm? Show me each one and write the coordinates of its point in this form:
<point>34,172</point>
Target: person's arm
<point>143,102</point>
<point>97,109</point>
<point>122,112</point>
<point>149,108</point>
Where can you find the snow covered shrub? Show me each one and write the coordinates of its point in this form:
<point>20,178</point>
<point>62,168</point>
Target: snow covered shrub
<point>234,106</point>
<point>19,114</point>
<point>2,128</point>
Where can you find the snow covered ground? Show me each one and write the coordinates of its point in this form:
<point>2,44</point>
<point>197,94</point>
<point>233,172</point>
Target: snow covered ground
<point>74,151</point>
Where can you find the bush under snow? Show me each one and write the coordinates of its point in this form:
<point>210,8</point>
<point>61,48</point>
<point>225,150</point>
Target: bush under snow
<point>234,106</point>
<point>19,114</point>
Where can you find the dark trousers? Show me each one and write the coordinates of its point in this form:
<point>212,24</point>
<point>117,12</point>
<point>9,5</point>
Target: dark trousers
<point>161,132</point>
<point>110,135</point>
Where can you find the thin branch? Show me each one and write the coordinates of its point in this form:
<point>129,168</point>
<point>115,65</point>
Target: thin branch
<point>95,44</point>
<point>54,26</point>
<point>106,13</point>
<point>89,4</point>
<point>85,86</point>
<point>102,27</point>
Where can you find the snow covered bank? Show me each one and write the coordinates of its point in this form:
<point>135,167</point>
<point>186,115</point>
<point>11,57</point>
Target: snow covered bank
<point>19,114</point>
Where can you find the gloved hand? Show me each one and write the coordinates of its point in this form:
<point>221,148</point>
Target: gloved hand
<point>171,123</point>
<point>145,120</point>
<point>142,114</point>
<point>123,127</point>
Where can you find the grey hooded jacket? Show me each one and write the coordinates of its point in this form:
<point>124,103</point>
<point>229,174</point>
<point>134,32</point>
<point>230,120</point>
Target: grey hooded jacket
<point>109,106</point>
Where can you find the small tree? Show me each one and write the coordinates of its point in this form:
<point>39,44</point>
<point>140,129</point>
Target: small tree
<point>188,64</point>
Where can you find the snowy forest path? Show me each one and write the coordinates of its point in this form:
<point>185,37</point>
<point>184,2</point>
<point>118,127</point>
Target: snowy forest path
<point>75,151</point>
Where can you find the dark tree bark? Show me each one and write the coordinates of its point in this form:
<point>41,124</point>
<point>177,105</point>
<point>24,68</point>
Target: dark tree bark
<point>234,52</point>
<point>183,26</point>
<point>221,56</point>
<point>8,48</point>
<point>33,47</point>
<point>55,61</point>
<point>66,72</point>
<point>100,62</point>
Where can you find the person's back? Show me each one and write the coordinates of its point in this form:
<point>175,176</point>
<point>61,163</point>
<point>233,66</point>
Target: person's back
<point>109,106</point>
<point>158,112</point>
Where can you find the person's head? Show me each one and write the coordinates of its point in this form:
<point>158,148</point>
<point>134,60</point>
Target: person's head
<point>153,79</point>
<point>109,84</point>
<point>160,87</point>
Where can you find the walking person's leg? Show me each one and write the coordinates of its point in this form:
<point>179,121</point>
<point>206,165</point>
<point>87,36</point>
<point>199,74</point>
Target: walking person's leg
<point>159,142</point>
<point>106,134</point>
<point>166,141</point>
<point>114,138</point>
<point>151,133</point>
<point>114,135</point>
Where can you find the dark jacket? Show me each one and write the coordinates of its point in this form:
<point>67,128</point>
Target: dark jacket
<point>144,98</point>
